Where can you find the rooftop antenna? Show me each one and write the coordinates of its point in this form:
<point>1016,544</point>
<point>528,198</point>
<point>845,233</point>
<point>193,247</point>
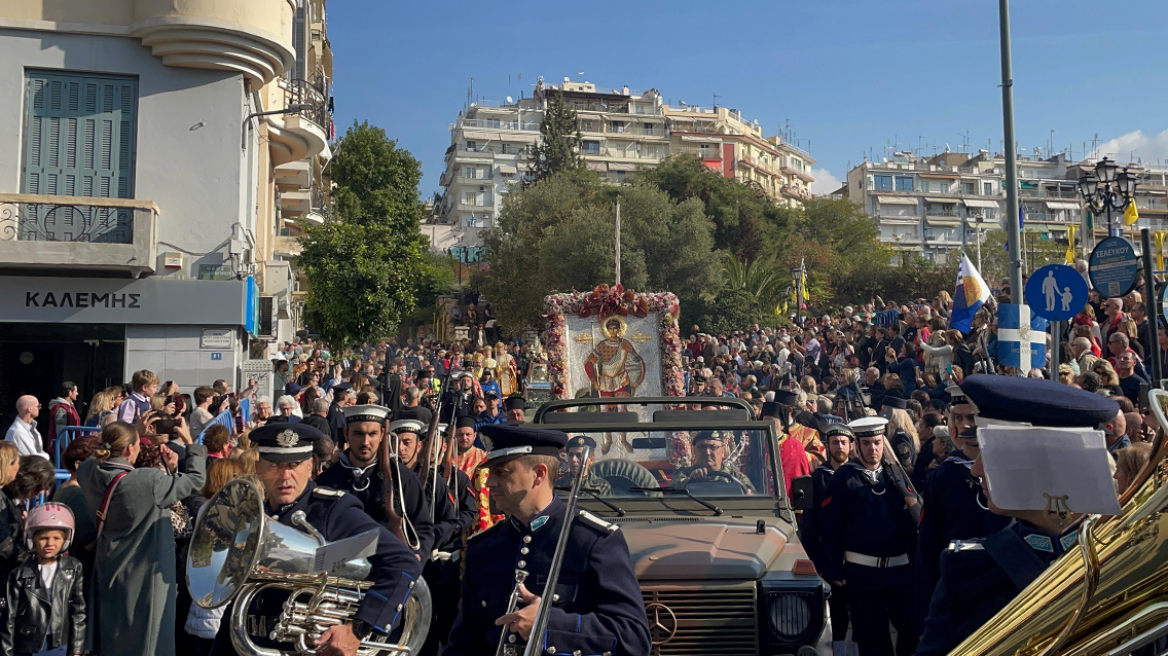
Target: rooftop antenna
<point>716,97</point>
<point>580,74</point>
<point>1095,147</point>
<point>920,148</point>
<point>470,93</point>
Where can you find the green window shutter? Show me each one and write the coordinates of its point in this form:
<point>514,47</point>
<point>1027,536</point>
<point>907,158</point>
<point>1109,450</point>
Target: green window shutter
<point>79,141</point>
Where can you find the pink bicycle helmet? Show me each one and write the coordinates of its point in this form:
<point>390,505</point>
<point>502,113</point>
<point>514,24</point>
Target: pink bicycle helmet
<point>49,515</point>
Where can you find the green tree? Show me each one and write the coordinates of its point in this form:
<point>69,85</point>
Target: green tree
<point>746,222</point>
<point>763,280</point>
<point>558,235</point>
<point>1036,253</point>
<point>559,149</point>
<point>365,263</point>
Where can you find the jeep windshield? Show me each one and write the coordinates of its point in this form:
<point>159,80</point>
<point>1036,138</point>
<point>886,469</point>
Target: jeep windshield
<point>644,450</point>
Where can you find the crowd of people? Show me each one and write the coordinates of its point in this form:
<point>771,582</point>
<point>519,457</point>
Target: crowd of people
<point>138,463</point>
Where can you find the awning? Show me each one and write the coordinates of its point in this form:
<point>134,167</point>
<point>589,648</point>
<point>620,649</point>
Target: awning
<point>1056,205</point>
<point>939,176</point>
<point>944,223</point>
<point>1056,227</point>
<point>897,222</point>
<point>621,166</point>
<point>984,204</point>
<point>895,200</point>
<point>597,166</point>
<point>948,201</point>
<point>696,139</point>
<point>507,170</point>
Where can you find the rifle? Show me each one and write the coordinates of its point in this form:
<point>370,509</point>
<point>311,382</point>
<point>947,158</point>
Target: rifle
<point>430,455</point>
<point>903,483</point>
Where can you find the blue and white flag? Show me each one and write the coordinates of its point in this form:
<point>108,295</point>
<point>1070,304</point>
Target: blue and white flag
<point>1020,345</point>
<point>224,419</point>
<point>972,293</point>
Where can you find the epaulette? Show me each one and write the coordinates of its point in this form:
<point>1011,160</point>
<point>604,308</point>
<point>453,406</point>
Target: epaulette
<point>966,545</point>
<point>597,522</point>
<point>484,531</point>
<point>322,492</point>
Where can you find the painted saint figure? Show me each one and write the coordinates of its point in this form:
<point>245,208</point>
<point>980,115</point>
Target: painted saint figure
<point>614,367</point>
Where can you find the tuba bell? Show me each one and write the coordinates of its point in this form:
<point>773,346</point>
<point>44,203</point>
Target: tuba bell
<point>238,553</point>
<point>1108,597</point>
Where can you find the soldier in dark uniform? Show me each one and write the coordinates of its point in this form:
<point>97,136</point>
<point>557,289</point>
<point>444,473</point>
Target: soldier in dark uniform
<point>283,470</point>
<point>597,604</point>
<point>359,472</point>
<point>956,508</point>
<point>575,450</point>
<point>869,537</point>
<point>840,441</point>
<point>979,577</point>
<point>710,464</point>
<point>455,511</point>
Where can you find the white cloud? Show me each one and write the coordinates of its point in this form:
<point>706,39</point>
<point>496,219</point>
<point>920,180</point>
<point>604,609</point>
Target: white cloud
<point>825,182</point>
<point>1148,149</point>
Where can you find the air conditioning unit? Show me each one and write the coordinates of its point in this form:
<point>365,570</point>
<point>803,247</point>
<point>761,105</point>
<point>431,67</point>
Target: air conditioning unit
<point>267,319</point>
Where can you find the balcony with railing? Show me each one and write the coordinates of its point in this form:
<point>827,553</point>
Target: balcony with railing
<point>78,232</point>
<point>800,193</point>
<point>304,131</point>
<point>703,153</point>
<point>498,124</point>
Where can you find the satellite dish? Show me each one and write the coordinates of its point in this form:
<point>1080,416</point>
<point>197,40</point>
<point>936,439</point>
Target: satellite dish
<point>509,99</point>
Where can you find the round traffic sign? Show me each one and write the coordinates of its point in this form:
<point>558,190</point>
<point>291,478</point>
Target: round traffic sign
<point>1056,292</point>
<point>1114,267</point>
<point>1164,303</point>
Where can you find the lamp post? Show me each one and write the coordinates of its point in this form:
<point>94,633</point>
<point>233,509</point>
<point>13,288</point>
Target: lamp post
<point>1105,190</point>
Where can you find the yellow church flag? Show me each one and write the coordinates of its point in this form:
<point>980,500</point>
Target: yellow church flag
<point>1131,214</point>
<point>1071,230</point>
<point>1158,241</point>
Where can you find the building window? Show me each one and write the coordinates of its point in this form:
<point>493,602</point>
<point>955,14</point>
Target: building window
<point>904,184</point>
<point>590,147</point>
<point>882,182</point>
<point>969,188</point>
<point>923,186</point>
<point>492,123</point>
<point>618,127</point>
<point>943,187</point>
<point>472,146</point>
<point>470,172</point>
<point>987,188</point>
<point>470,198</point>
<point>81,135</point>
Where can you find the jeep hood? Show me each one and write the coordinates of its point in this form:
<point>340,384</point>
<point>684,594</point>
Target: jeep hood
<point>728,549</point>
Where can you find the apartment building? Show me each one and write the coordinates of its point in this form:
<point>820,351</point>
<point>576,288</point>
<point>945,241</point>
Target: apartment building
<point>622,130</point>
<point>935,205</point>
<point>139,208</point>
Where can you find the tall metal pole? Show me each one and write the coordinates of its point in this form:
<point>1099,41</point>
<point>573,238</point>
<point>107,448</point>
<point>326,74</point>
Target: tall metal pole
<point>979,246</point>
<point>618,279</point>
<point>1013,230</point>
<point>1153,305</point>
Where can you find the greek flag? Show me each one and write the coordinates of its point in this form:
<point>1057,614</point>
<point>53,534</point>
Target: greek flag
<point>1020,344</point>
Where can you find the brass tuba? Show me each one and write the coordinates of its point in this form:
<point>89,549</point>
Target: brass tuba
<point>1108,597</point>
<point>237,552</point>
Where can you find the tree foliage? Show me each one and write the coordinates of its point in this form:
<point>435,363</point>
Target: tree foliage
<point>747,223</point>
<point>1036,253</point>
<point>365,264</point>
<point>558,235</point>
<point>559,149</point>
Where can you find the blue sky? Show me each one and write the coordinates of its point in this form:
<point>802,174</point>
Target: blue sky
<point>849,75</point>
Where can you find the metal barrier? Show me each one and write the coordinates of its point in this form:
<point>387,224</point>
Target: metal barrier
<point>67,435</point>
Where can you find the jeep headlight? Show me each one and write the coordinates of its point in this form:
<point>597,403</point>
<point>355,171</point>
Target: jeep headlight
<point>794,610</point>
<point>789,614</point>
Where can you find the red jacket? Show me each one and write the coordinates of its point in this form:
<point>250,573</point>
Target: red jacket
<point>793,457</point>
<point>71,417</point>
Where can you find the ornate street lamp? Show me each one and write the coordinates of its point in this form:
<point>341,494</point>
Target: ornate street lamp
<point>1107,189</point>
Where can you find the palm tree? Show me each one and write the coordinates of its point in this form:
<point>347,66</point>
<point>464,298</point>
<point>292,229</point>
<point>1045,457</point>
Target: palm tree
<point>761,279</point>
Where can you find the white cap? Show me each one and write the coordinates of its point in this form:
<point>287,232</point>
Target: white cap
<point>868,426</point>
<point>407,426</point>
<point>356,413</point>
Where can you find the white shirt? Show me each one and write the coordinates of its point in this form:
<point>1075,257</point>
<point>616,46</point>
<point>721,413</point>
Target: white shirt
<point>47,573</point>
<point>26,437</point>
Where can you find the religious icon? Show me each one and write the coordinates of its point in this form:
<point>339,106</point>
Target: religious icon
<point>614,367</point>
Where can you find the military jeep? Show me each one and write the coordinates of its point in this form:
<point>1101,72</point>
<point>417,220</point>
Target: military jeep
<point>717,556</point>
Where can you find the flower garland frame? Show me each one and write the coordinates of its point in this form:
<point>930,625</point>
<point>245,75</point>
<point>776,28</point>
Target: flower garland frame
<point>605,301</point>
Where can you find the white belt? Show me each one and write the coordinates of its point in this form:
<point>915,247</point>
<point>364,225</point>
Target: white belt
<point>873,561</point>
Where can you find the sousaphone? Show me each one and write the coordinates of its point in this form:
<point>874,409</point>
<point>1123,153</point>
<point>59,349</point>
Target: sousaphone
<point>238,553</point>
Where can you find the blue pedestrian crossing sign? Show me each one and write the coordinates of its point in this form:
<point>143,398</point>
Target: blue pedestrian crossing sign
<point>1020,344</point>
<point>1056,292</point>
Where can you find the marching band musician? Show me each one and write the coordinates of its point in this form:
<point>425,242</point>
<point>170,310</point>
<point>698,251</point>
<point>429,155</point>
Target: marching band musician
<point>455,512</point>
<point>955,509</point>
<point>868,536</point>
<point>980,577</point>
<point>283,471</point>
<point>597,604</point>
<point>359,472</point>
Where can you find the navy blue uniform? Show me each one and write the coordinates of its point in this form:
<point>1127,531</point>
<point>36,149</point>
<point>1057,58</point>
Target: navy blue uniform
<point>337,515</point>
<point>866,515</point>
<point>812,539</point>
<point>955,511</point>
<point>920,471</point>
<point>458,512</point>
<point>368,485</point>
<point>599,608</point>
<point>979,577</point>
